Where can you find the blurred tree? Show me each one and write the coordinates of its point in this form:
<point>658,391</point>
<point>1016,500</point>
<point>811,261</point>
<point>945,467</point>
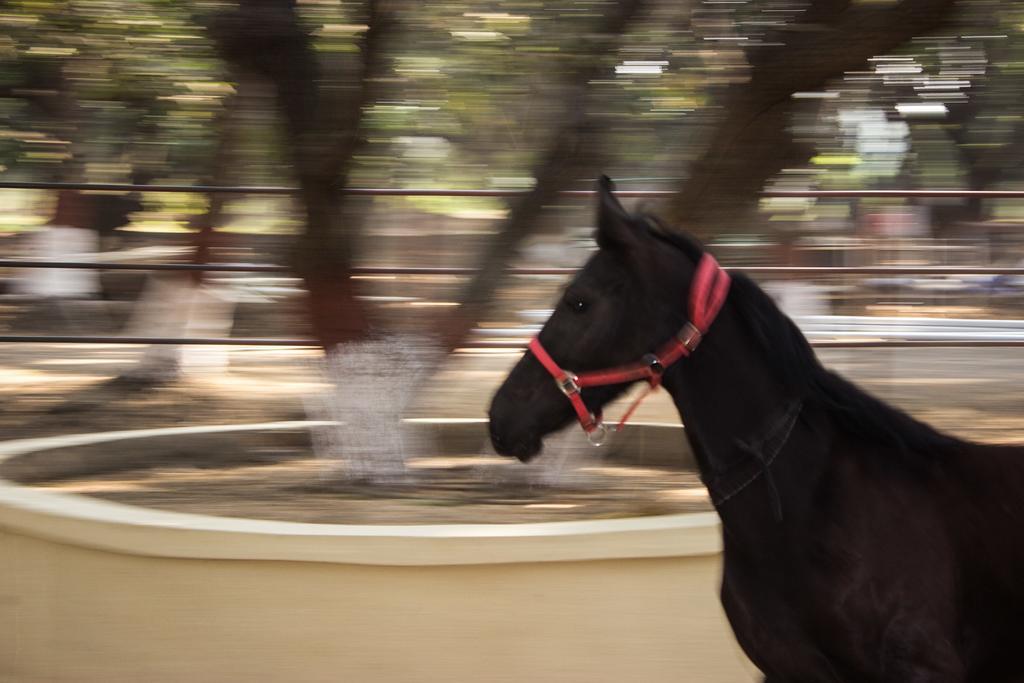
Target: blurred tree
<point>90,89</point>
<point>495,93</point>
<point>325,134</point>
<point>989,138</point>
<point>175,304</point>
<point>324,131</point>
<point>574,149</point>
<point>751,142</point>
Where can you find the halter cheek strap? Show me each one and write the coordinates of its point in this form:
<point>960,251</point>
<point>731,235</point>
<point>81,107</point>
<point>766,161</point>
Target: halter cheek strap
<point>707,294</point>
<point>568,384</point>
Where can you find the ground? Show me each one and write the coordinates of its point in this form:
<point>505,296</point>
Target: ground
<point>50,389</point>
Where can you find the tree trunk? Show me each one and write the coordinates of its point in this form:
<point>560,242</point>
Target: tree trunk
<point>987,154</point>
<point>206,225</point>
<point>267,38</point>
<point>751,143</point>
<point>574,150</point>
<point>172,304</point>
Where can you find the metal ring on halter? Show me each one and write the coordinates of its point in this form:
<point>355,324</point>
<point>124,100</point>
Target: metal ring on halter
<point>568,384</point>
<point>597,435</point>
<point>689,336</point>
<point>653,363</point>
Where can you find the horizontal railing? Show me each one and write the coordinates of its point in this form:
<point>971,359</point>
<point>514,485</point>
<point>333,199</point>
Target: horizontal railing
<point>808,271</point>
<point>496,344</point>
<point>450,192</point>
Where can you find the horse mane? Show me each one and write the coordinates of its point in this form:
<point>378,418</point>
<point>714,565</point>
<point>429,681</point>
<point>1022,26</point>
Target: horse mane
<point>788,353</point>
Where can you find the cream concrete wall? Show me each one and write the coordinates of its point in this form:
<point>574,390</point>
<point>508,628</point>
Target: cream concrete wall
<point>94,591</point>
<point>75,614</point>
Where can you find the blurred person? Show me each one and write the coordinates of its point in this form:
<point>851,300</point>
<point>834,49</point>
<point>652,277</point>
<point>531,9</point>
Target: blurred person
<point>68,236</point>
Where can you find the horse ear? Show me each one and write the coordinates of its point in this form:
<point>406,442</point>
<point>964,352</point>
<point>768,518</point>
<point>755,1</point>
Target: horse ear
<point>615,228</point>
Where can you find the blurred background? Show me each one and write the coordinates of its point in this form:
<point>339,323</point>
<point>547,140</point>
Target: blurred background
<point>274,177</point>
<point>358,212</point>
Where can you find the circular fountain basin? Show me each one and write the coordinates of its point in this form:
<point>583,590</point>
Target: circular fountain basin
<point>97,591</point>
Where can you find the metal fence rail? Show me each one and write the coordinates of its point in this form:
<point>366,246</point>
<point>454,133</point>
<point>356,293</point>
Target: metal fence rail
<point>497,344</point>
<point>806,271</point>
<point>449,192</point>
<point>266,268</point>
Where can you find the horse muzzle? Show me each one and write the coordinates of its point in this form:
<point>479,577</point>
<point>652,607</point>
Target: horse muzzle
<point>522,447</point>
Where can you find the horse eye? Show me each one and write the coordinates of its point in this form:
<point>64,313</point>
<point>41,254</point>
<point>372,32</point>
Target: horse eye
<point>577,305</point>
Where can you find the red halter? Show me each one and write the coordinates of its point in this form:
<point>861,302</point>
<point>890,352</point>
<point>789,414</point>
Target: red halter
<point>707,294</point>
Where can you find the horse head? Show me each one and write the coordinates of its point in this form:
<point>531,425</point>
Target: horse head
<point>623,304</point>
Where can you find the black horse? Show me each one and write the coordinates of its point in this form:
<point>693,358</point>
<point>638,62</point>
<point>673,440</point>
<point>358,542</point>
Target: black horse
<point>859,543</point>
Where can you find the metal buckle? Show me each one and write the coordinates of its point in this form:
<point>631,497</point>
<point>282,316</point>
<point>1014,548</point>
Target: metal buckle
<point>690,336</point>
<point>568,385</point>
<point>653,363</point>
<point>598,434</point>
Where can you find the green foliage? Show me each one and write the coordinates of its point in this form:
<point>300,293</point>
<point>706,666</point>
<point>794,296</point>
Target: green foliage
<point>93,89</point>
<point>110,85</point>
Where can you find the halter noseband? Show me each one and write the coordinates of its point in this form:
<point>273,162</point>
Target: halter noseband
<point>707,294</point>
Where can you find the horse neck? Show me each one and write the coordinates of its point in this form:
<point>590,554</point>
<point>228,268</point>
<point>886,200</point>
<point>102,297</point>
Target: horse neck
<point>746,427</point>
